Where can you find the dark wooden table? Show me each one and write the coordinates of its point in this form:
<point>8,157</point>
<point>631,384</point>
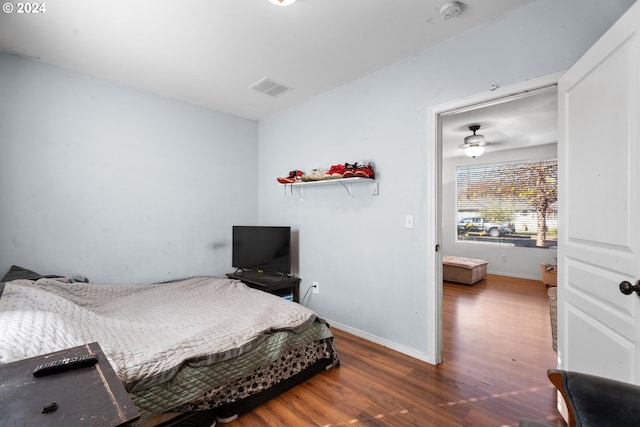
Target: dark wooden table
<point>88,396</point>
<point>271,283</point>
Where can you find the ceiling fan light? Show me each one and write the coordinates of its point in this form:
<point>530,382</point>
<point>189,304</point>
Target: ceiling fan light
<point>474,151</point>
<point>283,2</point>
<point>474,144</point>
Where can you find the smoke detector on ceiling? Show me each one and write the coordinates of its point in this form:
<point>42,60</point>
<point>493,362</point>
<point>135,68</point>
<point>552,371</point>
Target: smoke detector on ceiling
<point>450,9</point>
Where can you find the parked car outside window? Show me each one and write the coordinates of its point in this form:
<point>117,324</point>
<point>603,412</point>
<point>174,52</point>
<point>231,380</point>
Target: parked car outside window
<point>482,225</point>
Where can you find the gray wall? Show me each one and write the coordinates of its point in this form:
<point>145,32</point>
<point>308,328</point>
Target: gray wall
<point>116,184</point>
<point>371,269</point>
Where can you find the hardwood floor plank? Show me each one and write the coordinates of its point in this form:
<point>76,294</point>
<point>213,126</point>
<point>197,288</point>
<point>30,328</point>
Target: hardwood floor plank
<point>497,348</point>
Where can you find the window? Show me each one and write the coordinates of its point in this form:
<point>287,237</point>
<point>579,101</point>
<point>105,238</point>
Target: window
<point>514,203</point>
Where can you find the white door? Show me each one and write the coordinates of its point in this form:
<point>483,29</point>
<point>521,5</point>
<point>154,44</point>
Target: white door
<point>599,196</point>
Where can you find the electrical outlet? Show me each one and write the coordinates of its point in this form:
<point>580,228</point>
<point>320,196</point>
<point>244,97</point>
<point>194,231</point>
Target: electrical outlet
<point>316,287</point>
<point>503,258</point>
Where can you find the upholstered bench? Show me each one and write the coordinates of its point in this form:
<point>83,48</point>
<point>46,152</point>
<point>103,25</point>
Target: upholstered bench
<point>463,270</point>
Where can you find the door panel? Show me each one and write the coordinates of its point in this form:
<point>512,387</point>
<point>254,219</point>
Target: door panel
<point>592,170</point>
<point>614,352</point>
<point>599,244</point>
<point>586,283</point>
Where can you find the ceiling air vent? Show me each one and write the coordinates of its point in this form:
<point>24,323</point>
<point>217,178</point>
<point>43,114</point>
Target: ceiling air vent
<point>270,87</point>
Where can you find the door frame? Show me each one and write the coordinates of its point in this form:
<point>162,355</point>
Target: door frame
<point>434,195</point>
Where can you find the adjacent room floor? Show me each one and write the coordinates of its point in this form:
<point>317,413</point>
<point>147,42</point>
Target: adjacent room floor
<point>497,348</point>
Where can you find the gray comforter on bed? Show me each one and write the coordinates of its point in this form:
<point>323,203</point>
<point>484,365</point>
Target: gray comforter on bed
<point>148,332</point>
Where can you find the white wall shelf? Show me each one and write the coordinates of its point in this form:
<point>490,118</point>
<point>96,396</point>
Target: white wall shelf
<point>345,182</point>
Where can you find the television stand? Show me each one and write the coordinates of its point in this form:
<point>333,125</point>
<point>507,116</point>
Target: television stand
<point>240,272</point>
<point>277,284</point>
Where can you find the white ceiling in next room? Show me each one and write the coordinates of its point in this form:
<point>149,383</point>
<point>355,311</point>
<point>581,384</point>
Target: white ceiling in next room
<point>525,120</point>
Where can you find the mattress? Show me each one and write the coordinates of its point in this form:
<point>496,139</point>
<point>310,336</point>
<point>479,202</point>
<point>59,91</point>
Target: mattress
<point>239,396</point>
<point>215,386</point>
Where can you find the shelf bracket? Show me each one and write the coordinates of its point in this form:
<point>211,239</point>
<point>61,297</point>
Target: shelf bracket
<point>289,188</point>
<point>347,188</point>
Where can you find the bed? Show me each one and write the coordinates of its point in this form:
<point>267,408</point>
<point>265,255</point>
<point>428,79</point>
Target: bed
<point>190,346</point>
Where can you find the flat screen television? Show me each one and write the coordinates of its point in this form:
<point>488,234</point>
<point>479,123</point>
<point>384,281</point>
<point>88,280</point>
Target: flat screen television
<point>262,248</point>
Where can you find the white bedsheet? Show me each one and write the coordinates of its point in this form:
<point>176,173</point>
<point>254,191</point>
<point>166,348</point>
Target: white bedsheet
<point>146,331</point>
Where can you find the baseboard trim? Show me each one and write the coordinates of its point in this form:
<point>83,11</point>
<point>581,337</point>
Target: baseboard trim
<point>518,276</point>
<point>381,341</point>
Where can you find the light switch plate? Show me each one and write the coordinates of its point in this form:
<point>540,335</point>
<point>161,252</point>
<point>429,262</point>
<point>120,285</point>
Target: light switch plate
<point>408,221</point>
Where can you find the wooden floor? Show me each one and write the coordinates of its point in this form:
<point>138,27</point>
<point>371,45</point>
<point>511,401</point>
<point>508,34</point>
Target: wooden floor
<point>497,348</point>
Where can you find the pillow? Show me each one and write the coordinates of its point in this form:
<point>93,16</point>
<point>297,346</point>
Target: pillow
<point>16,273</point>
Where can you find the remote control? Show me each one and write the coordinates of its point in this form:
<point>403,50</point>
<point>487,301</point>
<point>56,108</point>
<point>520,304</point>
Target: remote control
<point>66,364</point>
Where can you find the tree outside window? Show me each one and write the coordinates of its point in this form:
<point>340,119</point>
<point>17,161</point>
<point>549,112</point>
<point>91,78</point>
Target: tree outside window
<point>514,203</point>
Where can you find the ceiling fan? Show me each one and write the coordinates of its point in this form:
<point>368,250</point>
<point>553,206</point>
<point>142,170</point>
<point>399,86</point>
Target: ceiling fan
<point>474,144</point>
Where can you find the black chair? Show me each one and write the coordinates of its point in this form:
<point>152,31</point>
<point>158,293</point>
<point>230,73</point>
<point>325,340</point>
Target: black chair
<point>594,401</point>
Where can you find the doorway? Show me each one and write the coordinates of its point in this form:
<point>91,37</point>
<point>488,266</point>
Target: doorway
<point>439,149</point>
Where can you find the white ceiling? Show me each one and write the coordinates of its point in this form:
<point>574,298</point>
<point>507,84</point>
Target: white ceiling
<point>520,121</point>
<point>208,52</point>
